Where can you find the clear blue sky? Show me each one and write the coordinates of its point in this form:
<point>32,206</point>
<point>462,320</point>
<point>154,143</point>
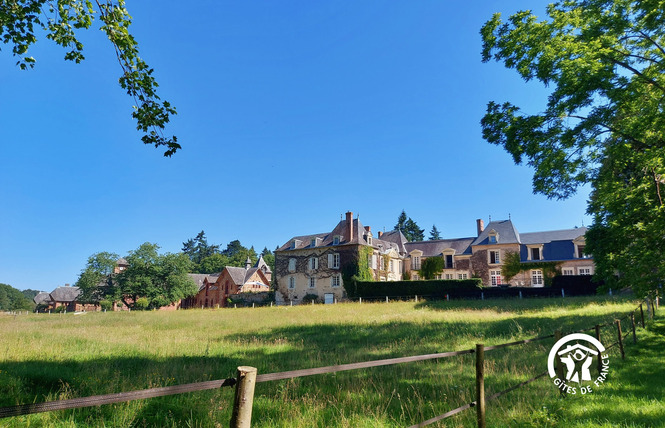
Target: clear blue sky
<point>290,114</point>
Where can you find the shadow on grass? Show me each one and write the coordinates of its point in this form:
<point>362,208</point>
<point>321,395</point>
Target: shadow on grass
<point>634,393</point>
<point>437,386</point>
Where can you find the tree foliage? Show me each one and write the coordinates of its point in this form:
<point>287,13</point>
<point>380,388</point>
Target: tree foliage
<point>21,21</point>
<point>198,248</point>
<point>161,279</point>
<point>603,124</point>
<point>409,228</point>
<point>208,258</point>
<point>12,299</point>
<point>434,234</point>
<point>96,279</point>
<point>512,265</point>
<point>431,266</point>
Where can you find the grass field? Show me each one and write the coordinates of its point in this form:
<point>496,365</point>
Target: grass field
<point>47,357</point>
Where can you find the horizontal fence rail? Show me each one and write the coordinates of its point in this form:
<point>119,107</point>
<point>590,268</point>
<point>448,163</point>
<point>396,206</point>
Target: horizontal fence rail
<point>74,403</point>
<point>98,400</point>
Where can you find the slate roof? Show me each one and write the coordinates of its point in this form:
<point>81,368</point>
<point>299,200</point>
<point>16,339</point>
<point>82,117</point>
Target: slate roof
<point>436,248</point>
<point>327,238</point>
<point>240,275</point>
<point>262,263</point>
<point>398,238</point>
<point>65,294</point>
<point>384,246</point>
<point>42,297</point>
<point>557,244</point>
<point>199,278</point>
<point>506,230</point>
<point>552,235</point>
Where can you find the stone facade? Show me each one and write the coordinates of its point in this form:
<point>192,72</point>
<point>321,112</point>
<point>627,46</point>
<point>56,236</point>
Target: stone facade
<point>303,264</point>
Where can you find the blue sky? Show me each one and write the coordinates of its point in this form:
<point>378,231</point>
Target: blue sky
<point>290,113</point>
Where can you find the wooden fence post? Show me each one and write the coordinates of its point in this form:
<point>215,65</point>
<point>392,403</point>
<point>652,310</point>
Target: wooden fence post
<point>557,362</point>
<point>600,360</point>
<point>480,384</point>
<point>618,323</point>
<point>244,397</point>
<point>632,324</point>
<point>642,313</point>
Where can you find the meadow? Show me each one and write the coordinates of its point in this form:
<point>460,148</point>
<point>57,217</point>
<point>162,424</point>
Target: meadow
<point>48,357</point>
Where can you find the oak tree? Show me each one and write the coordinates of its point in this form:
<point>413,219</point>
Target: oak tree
<point>603,123</point>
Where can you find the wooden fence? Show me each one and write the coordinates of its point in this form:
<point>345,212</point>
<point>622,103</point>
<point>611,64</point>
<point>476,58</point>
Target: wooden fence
<point>247,377</point>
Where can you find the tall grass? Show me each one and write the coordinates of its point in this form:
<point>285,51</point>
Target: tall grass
<point>46,357</point>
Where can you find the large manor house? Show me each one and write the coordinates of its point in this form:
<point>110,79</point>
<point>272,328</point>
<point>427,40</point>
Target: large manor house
<point>315,264</point>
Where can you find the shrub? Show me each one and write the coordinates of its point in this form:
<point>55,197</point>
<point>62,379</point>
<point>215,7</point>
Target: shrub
<point>436,288</point>
<point>106,305</point>
<point>141,304</point>
<point>309,298</point>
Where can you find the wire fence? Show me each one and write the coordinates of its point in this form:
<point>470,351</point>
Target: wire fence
<point>242,380</point>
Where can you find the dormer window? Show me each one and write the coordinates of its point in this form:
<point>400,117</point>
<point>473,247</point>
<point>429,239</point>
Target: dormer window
<point>295,244</point>
<point>336,240</point>
<point>312,243</point>
<point>580,244</point>
<point>449,258</point>
<point>535,252</point>
<point>493,237</point>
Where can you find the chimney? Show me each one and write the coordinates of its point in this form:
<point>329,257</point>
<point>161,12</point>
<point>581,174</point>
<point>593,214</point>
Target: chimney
<point>367,228</point>
<point>380,233</point>
<point>67,285</point>
<point>349,226</point>
<point>480,225</point>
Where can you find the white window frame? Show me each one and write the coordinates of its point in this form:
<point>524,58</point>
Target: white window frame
<point>537,277</point>
<point>292,283</point>
<point>336,240</point>
<point>462,276</point>
<point>333,261</point>
<point>497,258</point>
<point>311,282</point>
<point>416,277</point>
<point>336,280</point>
<point>449,276</point>
<point>292,264</point>
<point>567,271</point>
<point>495,278</point>
<point>313,263</point>
<point>415,262</point>
<point>585,270</point>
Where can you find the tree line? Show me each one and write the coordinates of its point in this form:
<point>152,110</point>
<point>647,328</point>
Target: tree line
<point>148,279</point>
<point>412,232</point>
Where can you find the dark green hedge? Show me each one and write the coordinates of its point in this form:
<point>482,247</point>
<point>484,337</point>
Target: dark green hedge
<point>576,285</point>
<point>433,288</point>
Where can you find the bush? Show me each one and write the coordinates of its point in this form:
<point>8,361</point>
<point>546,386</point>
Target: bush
<point>309,298</point>
<point>141,304</point>
<point>159,302</point>
<point>576,285</point>
<point>106,305</point>
<point>436,288</point>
